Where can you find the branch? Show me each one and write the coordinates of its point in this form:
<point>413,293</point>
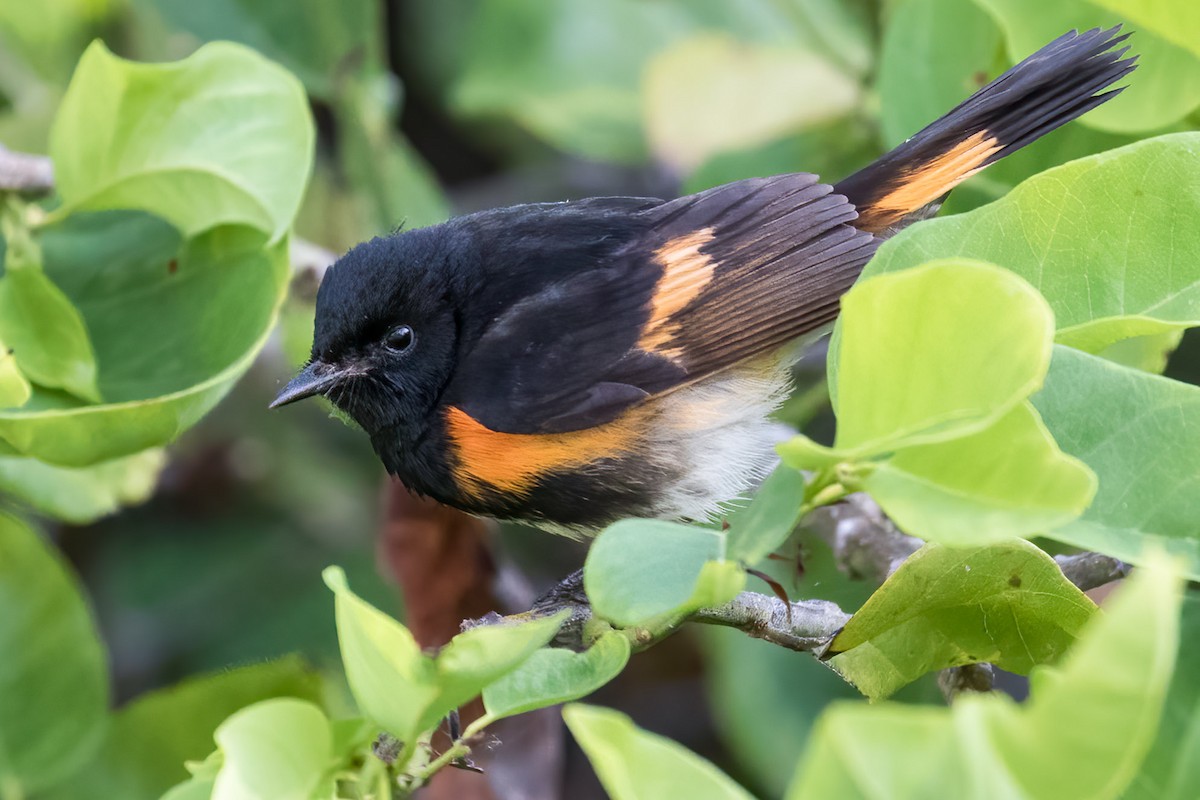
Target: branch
<point>1091,570</point>
<point>974,678</point>
<point>803,626</point>
<point>25,173</point>
<point>866,545</point>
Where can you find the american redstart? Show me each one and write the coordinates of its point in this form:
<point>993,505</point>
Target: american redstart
<point>569,364</point>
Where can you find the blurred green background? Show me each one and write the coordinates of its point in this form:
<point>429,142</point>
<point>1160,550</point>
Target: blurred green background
<point>430,107</point>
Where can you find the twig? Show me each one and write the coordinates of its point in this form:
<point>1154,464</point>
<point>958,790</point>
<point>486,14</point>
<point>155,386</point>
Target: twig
<point>868,545</point>
<point>1091,570</point>
<point>811,625</point>
<point>25,173</point>
<point>974,678</point>
<point>865,543</point>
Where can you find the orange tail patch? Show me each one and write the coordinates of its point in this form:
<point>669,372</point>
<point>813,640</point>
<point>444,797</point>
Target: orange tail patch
<point>925,184</point>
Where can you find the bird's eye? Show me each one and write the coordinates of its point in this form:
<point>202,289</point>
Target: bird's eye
<point>400,339</point>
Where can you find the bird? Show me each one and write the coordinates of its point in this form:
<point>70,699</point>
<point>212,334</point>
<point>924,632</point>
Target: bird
<point>574,363</point>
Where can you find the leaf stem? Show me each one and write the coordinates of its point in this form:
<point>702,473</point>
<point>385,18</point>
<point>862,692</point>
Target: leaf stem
<point>823,496</point>
<point>457,750</point>
<point>376,777</point>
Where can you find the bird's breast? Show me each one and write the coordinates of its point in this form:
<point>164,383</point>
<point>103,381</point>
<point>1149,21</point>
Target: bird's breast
<point>680,455</point>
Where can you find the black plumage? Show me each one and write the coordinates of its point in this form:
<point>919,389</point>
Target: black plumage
<point>571,363</point>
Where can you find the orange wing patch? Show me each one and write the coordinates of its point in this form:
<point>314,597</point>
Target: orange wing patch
<point>513,462</point>
<point>686,271</point>
<point>932,180</point>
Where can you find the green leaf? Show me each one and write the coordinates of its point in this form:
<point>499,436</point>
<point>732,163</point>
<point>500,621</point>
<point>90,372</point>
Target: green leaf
<point>209,767</point>
<point>1098,713</point>
<point>1165,87</point>
<point>14,388</point>
<point>391,679</point>
<point>53,670</point>
<point>637,765</point>
<point>555,675</point>
<point>1010,479</point>
<point>221,137</point>
<point>1147,353</point>
<point>859,752</point>
<point>192,789</point>
<point>172,329</point>
<point>1007,604</point>
<point>844,33</point>
<point>717,584</point>
<point>149,740</point>
<point>351,734</point>
<point>933,353</point>
<point>583,98</point>
<point>934,55</point>
<point>81,495</point>
<point>759,529</point>
<point>586,97</point>
<point>696,103</point>
<point>281,748</point>
<point>1109,240</point>
<point>931,376</point>
<point>1140,433</point>
<point>1177,21</point>
<point>639,570</point>
<point>316,40</point>
<point>394,182</point>
<point>1171,770</point>
<point>48,37</point>
<point>138,286</point>
<point>46,333</point>
<point>1072,141</point>
<point>408,692</point>
<point>482,655</point>
<point>833,150</point>
<point>765,700</point>
<point>1109,693</point>
<point>334,49</point>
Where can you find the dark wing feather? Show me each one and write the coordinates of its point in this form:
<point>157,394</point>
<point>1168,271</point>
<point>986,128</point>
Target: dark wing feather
<point>781,252</point>
<point>642,299</point>
<point>593,307</point>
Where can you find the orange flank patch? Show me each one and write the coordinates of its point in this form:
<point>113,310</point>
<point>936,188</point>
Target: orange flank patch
<point>513,462</point>
<point>686,271</point>
<point>930,181</point>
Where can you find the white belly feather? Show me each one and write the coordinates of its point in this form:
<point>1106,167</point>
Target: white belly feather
<point>719,429</point>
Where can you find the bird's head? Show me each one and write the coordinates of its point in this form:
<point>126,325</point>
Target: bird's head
<point>385,331</point>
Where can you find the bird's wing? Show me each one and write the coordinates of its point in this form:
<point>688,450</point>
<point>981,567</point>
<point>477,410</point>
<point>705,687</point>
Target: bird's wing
<point>693,286</point>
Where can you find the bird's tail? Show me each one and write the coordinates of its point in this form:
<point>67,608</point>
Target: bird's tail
<point>1050,88</point>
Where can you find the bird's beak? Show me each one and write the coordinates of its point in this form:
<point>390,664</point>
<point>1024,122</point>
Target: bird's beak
<point>317,378</point>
